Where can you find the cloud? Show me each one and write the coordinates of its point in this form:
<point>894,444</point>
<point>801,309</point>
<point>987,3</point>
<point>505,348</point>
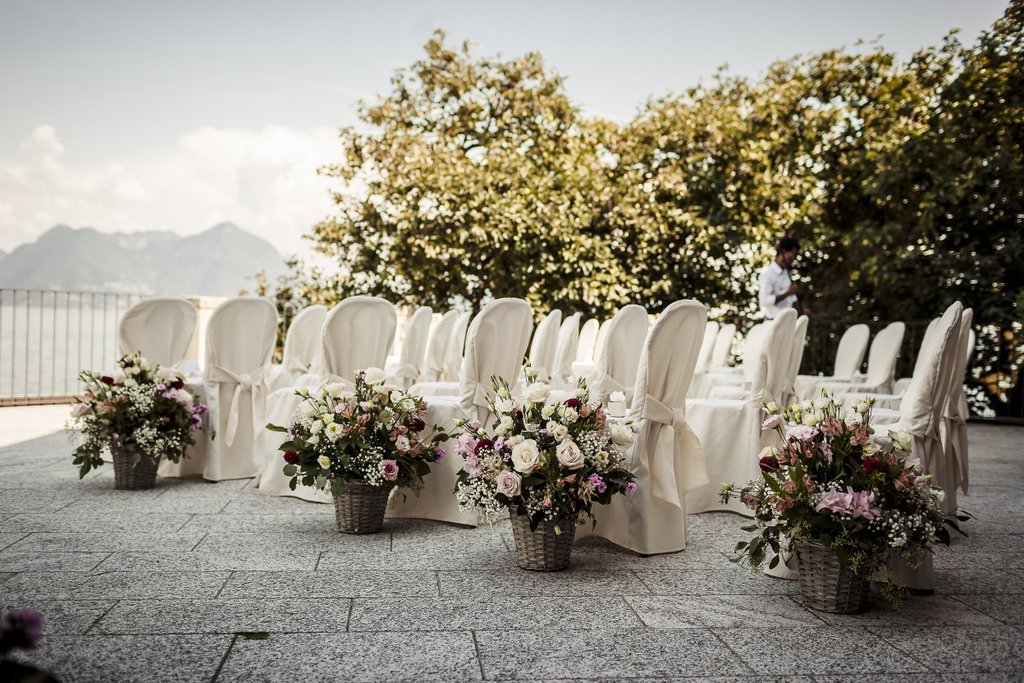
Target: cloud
<point>262,180</point>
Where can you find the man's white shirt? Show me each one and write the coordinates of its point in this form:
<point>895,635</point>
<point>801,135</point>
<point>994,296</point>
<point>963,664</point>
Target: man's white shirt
<point>775,280</point>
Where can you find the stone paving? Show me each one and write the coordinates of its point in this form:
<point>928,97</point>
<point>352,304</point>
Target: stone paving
<point>161,585</point>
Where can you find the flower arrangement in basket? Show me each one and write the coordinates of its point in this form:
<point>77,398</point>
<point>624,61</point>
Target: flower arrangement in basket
<point>845,503</point>
<point>547,462</point>
<point>141,414</point>
<point>361,444</point>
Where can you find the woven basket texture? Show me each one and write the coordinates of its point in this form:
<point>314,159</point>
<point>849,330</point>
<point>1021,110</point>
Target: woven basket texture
<point>827,587</point>
<point>128,477</point>
<point>359,507</point>
<point>542,550</point>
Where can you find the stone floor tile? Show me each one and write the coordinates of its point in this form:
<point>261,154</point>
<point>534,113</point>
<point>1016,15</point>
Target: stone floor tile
<point>427,656</point>
<point>9,538</point>
<point>319,541</point>
<point>806,650</point>
<point>923,678</point>
<point>964,580</point>
<point>64,617</point>
<point>721,611</point>
<point>928,610</point>
<point>491,613</point>
<point>281,523</point>
<point>581,653</point>
<point>569,583</point>
<point>112,542</point>
<point>159,505</point>
<point>15,560</point>
<point>967,649</point>
<point>104,659</point>
<point>209,561</point>
<point>21,501</point>
<point>330,584</point>
<point>1007,608</point>
<point>596,551</point>
<point>473,557</point>
<point>225,616</point>
<point>96,586</point>
<point>727,580</point>
<point>113,522</point>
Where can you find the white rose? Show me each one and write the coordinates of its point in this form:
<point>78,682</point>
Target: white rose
<point>316,427</point>
<point>514,440</point>
<point>504,405</point>
<point>80,409</point>
<point>582,394</point>
<point>569,454</point>
<point>548,410</point>
<point>864,406</point>
<point>307,408</point>
<point>336,389</point>
<point>509,483</point>
<point>901,440</point>
<point>813,418</point>
<point>129,382</point>
<point>558,432</point>
<point>506,422</point>
<point>324,462</point>
<point>621,434</point>
<point>526,456</point>
<point>538,392</point>
<point>374,376</point>
<point>333,431</point>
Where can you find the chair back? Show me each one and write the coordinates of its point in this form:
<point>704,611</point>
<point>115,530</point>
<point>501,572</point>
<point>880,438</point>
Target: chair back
<point>160,328</point>
<point>723,345</point>
<point>495,346</point>
<point>240,336</point>
<point>924,400</point>
<point>437,348</point>
<point>619,355</point>
<point>302,344</point>
<point>669,357</point>
<point>796,354</point>
<point>414,344</point>
<point>769,381</point>
<point>850,352</point>
<point>588,338</point>
<point>358,334</point>
<point>885,349</point>
<point>707,346</point>
<point>543,347</point>
<point>565,350</point>
<point>456,345</point>
<point>752,348</point>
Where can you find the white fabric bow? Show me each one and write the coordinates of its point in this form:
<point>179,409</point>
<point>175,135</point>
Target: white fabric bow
<point>666,440</point>
<point>256,384</point>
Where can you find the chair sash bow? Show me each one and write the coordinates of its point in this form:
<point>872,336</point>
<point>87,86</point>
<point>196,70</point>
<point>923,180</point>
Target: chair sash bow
<point>672,450</point>
<point>255,383</point>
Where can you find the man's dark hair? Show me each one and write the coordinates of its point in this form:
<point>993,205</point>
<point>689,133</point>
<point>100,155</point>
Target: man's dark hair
<point>787,244</point>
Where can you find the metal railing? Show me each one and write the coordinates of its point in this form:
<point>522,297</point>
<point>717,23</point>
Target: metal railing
<point>48,336</point>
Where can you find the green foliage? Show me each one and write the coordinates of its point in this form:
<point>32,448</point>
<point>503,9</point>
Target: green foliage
<point>477,177</point>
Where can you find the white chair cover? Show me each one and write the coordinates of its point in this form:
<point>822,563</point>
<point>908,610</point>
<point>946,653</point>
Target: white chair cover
<point>723,345</point>
<point>618,356</point>
<point>543,347</point>
<point>240,338</point>
<point>796,358</point>
<point>707,346</point>
<point>160,328</point>
<point>849,357</point>
<point>455,347</point>
<point>666,456</point>
<point>565,351</point>
<point>301,347</point>
<point>497,342</point>
<point>730,429</point>
<point>357,334</point>
<point>414,344</point>
<point>437,348</point>
<point>588,338</point>
<point>957,412</point>
<point>885,349</point>
<point>900,386</point>
<point>733,379</point>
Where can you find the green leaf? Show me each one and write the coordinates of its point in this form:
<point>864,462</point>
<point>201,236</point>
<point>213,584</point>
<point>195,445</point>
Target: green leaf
<point>289,470</point>
<point>253,635</point>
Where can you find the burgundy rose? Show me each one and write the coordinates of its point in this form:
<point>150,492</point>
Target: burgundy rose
<point>768,464</point>
<point>482,444</point>
<point>419,425</point>
<point>179,384</point>
<point>572,402</point>
<point>291,457</point>
<point>873,464</point>
<point>107,379</point>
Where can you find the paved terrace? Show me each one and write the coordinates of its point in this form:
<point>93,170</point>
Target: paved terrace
<point>156,585</point>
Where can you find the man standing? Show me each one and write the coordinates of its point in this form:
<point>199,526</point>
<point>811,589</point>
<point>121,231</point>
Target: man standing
<point>777,289</point>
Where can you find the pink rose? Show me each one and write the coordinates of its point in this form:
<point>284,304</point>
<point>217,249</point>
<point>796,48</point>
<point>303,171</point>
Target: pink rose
<point>802,432</point>
<point>389,468</point>
<point>402,444</point>
<point>773,422</point>
<point>508,483</point>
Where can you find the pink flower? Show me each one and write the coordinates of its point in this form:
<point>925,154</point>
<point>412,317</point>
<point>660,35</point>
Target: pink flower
<point>859,435</point>
<point>850,503</point>
<point>802,432</point>
<point>631,487</point>
<point>466,444</point>
<point>472,466</point>
<point>389,468</point>
<point>831,427</point>
<point>597,482</point>
<point>402,444</point>
<point>773,422</point>
<point>508,483</point>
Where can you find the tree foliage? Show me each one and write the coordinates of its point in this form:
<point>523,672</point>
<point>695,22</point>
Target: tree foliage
<point>477,177</point>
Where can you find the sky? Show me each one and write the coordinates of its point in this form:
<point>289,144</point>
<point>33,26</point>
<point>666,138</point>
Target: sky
<point>156,115</point>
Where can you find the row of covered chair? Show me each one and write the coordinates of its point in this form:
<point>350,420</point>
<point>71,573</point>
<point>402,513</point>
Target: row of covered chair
<point>689,438</point>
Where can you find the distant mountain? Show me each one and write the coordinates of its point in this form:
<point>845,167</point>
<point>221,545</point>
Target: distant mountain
<point>217,262</point>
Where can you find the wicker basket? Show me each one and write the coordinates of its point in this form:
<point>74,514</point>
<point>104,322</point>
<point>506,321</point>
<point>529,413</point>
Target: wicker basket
<point>827,587</point>
<point>359,507</point>
<point>130,477</point>
<point>542,550</point>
